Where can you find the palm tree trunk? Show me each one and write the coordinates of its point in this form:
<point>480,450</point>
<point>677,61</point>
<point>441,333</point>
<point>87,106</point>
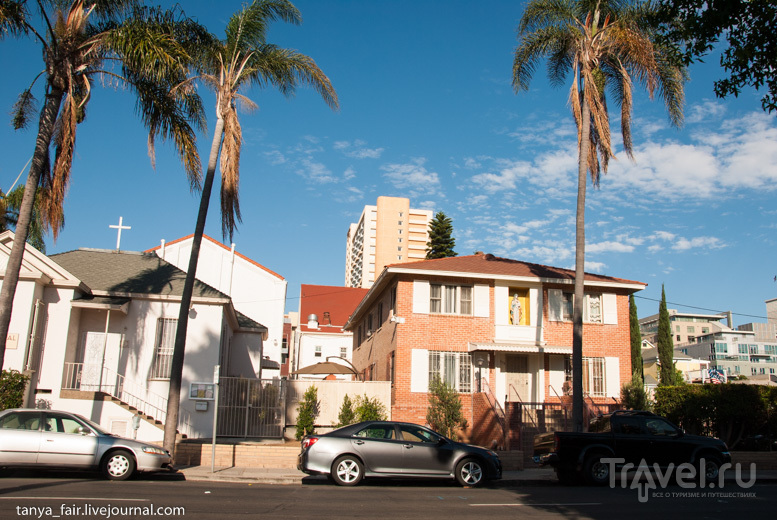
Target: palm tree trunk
<point>176,365</point>
<point>577,314</point>
<point>46,124</point>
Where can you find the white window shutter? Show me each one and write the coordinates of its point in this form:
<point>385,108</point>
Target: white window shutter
<point>612,377</point>
<point>555,303</point>
<point>421,297</point>
<point>482,301</point>
<point>610,309</point>
<point>419,370</point>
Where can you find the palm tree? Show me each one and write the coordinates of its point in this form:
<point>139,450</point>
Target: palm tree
<point>12,17</point>
<point>142,49</point>
<point>242,59</point>
<point>9,216</point>
<point>605,45</point>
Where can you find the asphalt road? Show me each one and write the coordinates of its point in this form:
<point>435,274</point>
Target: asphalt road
<point>35,495</point>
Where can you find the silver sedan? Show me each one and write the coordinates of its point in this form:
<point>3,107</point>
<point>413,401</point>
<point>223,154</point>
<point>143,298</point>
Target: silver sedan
<point>62,440</point>
<point>395,449</point>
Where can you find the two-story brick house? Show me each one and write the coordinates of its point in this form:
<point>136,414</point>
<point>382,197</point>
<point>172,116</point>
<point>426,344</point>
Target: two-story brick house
<point>489,324</point>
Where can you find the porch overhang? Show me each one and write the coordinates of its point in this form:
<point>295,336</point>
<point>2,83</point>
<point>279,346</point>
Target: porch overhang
<point>103,302</point>
<point>519,348</point>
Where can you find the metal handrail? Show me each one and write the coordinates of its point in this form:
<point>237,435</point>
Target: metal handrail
<point>498,410</point>
<point>563,405</point>
<point>117,385</point>
<point>523,405</point>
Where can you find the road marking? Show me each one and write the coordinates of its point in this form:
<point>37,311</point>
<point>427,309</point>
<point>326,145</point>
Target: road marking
<point>552,504</point>
<point>79,498</point>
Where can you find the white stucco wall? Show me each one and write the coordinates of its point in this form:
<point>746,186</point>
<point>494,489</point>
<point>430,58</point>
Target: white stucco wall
<point>330,346</point>
<point>255,292</point>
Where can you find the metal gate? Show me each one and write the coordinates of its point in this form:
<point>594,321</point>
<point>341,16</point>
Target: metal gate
<point>251,407</point>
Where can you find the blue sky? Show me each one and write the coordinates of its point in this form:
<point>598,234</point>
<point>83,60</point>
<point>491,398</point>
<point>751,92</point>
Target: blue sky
<point>428,112</point>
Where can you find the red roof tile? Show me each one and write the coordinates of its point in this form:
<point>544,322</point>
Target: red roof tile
<point>338,302</point>
<point>494,265</point>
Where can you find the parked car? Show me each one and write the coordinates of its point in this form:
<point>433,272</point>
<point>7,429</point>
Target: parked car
<point>62,440</point>
<point>395,449</point>
<point>634,436</point>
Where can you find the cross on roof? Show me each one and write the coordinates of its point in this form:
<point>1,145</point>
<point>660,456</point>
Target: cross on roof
<point>119,227</point>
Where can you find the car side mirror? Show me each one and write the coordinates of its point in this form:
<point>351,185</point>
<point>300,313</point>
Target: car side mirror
<point>442,442</point>
<point>83,431</point>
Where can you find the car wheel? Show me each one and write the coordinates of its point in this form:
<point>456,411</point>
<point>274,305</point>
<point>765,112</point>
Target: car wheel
<point>469,472</point>
<point>711,468</point>
<point>347,471</point>
<point>595,471</point>
<point>118,465</point>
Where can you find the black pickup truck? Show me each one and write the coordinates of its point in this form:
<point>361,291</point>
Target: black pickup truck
<point>634,436</point>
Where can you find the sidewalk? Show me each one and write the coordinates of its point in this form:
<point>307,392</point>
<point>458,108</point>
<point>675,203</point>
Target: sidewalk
<point>293,476</point>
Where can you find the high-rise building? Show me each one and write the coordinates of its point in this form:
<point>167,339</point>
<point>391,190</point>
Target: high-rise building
<point>388,233</point>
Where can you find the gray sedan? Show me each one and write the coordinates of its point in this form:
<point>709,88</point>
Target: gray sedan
<point>62,440</point>
<point>394,449</point>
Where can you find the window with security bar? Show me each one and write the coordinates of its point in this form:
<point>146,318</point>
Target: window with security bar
<point>454,368</point>
<point>165,344</point>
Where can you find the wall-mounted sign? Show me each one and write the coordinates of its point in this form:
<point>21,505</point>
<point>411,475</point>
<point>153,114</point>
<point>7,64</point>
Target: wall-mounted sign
<point>201,391</point>
<point>12,341</point>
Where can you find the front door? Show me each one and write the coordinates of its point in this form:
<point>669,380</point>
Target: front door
<point>517,378</point>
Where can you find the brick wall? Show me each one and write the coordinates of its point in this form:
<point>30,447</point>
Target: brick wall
<point>453,333</point>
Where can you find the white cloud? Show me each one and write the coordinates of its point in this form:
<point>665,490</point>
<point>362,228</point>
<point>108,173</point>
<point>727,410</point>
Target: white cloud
<point>705,111</point>
<point>316,171</point>
<point>609,247</point>
<point>358,150</point>
<point>412,176</point>
<point>684,244</point>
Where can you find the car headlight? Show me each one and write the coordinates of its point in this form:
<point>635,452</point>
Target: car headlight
<point>154,450</point>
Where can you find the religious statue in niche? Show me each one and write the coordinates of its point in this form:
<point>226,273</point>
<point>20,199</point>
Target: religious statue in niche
<point>516,311</point>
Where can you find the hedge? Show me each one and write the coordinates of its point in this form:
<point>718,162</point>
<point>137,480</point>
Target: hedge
<point>12,385</point>
<point>731,412</point>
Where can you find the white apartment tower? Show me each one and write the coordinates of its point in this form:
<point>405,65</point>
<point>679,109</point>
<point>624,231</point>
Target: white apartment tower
<point>389,233</point>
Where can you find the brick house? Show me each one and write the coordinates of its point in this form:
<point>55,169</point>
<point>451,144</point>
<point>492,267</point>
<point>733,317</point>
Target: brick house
<point>498,330</point>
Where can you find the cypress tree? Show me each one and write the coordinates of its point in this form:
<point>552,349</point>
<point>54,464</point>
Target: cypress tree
<point>636,340</point>
<point>665,345</point>
<point>441,241</point>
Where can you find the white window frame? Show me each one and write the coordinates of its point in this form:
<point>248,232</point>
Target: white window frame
<point>451,299</point>
<point>164,347</point>
<point>454,368</point>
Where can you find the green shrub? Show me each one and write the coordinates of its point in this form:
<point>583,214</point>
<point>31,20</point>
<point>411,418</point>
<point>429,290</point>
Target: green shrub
<point>445,410</point>
<point>12,385</point>
<point>369,409</point>
<point>307,411</point>
<point>347,415</point>
<point>634,396</point>
<point>731,412</point>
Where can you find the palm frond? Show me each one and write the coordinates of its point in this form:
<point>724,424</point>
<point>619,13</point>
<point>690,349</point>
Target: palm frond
<point>230,171</point>
<point>285,69</point>
<point>13,18</point>
<point>24,109</point>
<point>247,29</point>
<point>65,140</point>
